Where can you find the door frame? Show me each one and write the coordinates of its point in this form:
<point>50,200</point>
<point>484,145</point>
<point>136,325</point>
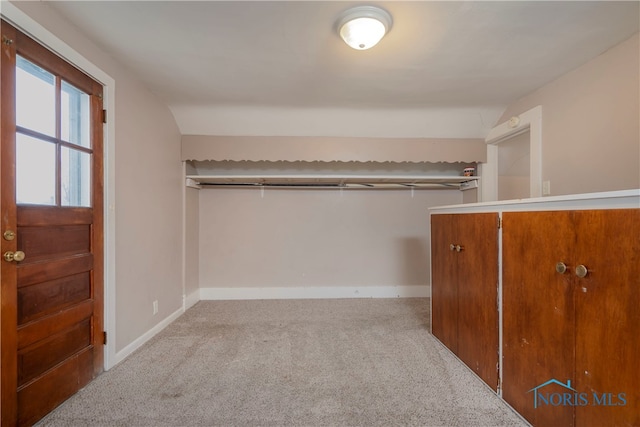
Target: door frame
<point>21,21</point>
<point>531,121</point>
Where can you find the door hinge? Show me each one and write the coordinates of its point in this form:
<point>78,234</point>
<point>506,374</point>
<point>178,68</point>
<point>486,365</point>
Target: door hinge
<point>104,337</point>
<point>104,116</point>
<point>499,222</point>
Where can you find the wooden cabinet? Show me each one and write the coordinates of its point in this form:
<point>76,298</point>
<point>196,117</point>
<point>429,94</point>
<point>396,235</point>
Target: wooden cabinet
<point>578,334</point>
<point>464,289</point>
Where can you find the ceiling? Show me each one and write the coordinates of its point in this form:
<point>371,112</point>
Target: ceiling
<point>287,54</point>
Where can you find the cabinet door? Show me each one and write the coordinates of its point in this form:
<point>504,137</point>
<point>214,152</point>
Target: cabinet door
<point>477,267</point>
<point>464,289</point>
<point>444,287</point>
<point>608,317</point>
<point>538,312</point>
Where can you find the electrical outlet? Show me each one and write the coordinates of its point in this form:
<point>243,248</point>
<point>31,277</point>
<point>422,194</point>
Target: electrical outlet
<point>546,188</point>
<point>155,307</point>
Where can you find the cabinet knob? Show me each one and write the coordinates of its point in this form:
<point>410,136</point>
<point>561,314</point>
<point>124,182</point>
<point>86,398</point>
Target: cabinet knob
<point>581,271</point>
<point>459,248</point>
<point>14,256</point>
<point>452,247</point>
<point>561,267</point>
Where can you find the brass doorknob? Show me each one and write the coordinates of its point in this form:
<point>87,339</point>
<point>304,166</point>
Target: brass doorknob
<point>581,271</point>
<point>561,267</point>
<point>14,256</point>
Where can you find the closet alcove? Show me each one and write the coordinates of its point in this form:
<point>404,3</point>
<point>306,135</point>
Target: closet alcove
<point>364,163</point>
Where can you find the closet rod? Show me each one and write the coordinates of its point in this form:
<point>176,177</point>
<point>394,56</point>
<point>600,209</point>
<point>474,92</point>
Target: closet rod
<point>346,186</point>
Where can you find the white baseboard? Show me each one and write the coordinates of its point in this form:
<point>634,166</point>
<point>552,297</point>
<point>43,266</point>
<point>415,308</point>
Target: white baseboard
<point>315,292</point>
<point>191,299</point>
<point>122,354</point>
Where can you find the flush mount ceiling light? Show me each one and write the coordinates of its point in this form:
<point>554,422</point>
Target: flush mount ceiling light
<point>362,27</point>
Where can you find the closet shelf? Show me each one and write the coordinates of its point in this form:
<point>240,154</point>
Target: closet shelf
<point>329,174</point>
<point>341,181</point>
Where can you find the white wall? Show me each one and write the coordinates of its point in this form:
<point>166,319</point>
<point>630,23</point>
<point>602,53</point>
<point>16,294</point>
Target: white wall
<point>148,191</point>
<point>591,123</point>
<point>313,239</point>
<point>148,211</point>
<point>514,170</point>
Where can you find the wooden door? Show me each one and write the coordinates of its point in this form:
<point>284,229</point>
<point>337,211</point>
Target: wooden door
<point>538,312</point>
<point>477,267</point>
<point>51,164</point>
<point>444,282</point>
<point>608,317</point>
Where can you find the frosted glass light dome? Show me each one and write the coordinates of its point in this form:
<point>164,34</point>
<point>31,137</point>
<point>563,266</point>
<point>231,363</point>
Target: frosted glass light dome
<point>364,26</point>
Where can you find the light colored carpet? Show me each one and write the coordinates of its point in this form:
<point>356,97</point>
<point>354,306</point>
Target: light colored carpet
<point>354,362</point>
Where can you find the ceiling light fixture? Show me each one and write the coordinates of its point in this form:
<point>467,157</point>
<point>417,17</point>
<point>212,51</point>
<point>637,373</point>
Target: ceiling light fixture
<point>362,27</point>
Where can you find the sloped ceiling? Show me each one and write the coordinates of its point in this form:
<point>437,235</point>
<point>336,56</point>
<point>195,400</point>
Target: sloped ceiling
<point>445,63</point>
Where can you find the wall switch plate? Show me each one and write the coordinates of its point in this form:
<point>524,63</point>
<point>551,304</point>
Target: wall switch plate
<point>546,188</point>
<point>155,307</point>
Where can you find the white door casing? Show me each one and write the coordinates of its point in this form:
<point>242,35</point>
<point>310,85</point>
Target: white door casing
<point>531,121</point>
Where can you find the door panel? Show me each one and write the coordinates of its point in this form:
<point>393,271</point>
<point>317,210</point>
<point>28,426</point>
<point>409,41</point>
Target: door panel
<point>478,294</point>
<point>36,399</point>
<point>29,274</point>
<point>444,288</point>
<point>464,289</point>
<point>47,297</point>
<point>35,359</point>
<point>51,326</point>
<point>60,321</point>
<point>608,316</point>
<point>538,311</point>
<point>48,288</point>
<point>42,243</point>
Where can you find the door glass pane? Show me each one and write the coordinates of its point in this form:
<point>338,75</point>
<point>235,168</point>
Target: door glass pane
<point>75,170</point>
<point>35,171</point>
<point>75,115</point>
<point>35,98</point>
